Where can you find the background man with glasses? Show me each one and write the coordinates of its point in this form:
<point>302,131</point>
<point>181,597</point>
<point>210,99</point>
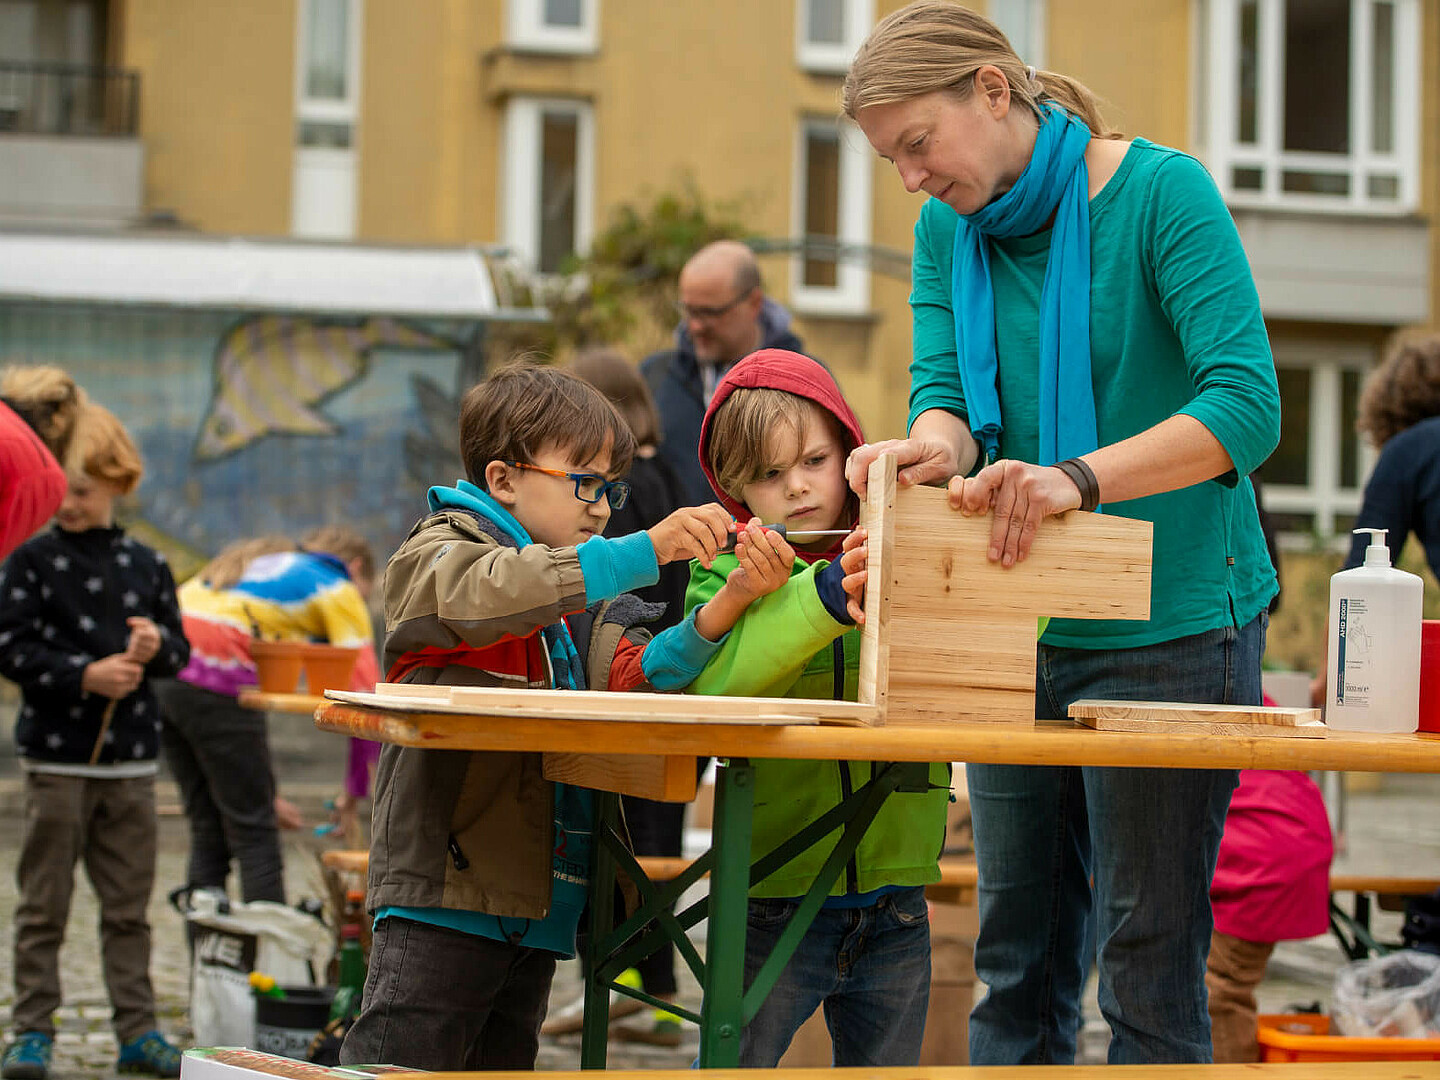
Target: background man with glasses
<point>724,316</point>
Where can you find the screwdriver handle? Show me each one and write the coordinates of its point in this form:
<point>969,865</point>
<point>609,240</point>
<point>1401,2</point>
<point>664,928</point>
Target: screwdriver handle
<point>739,526</point>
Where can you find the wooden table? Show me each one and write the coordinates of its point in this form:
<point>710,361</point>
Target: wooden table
<point>726,1004</point>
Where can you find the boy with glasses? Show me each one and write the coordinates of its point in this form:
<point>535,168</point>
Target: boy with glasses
<point>478,864</point>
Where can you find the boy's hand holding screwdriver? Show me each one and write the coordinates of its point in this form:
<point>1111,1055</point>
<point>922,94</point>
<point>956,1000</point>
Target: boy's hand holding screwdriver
<point>692,532</point>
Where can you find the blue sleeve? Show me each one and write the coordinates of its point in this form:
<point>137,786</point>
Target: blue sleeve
<point>675,657</point>
<point>935,368</point>
<point>1207,292</point>
<point>832,593</point>
<point>618,565</point>
<point>1390,501</point>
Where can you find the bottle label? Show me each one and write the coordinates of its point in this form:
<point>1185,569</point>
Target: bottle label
<point>1352,656</point>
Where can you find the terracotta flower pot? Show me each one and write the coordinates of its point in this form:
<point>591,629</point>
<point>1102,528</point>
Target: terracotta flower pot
<point>328,667</point>
<point>277,665</point>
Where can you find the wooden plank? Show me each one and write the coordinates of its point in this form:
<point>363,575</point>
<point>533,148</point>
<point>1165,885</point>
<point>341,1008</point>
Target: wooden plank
<point>1257,721</point>
<point>413,690</point>
<point>561,705</point>
<point>646,776</point>
<point>597,704</point>
<point>1312,730</point>
<point>959,639</point>
<point>877,515</point>
<point>1061,742</point>
<point>1108,709</point>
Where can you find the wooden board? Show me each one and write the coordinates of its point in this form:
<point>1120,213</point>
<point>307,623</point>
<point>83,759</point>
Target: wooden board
<point>592,705</point>
<point>1171,716</point>
<point>663,779</point>
<point>954,634</point>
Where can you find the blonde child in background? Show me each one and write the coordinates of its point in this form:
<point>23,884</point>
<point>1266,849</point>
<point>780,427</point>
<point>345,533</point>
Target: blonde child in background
<point>89,617</point>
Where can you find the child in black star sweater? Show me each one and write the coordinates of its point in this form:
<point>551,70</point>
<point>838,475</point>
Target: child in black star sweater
<point>87,617</point>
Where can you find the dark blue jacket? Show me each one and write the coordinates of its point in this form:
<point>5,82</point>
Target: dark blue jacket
<point>64,599</point>
<point>1403,494</point>
<point>675,382</point>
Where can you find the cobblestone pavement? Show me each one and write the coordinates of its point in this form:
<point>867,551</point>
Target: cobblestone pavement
<point>1391,830</point>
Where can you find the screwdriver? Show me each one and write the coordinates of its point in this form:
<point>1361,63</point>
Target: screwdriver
<point>803,536</point>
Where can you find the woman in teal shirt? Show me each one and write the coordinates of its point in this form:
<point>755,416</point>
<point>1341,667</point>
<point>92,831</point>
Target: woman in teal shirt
<point>1086,331</point>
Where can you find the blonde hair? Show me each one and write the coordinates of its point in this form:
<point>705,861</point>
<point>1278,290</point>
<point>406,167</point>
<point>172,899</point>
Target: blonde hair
<point>611,372</point>
<point>104,450</point>
<point>748,429</point>
<point>49,401</point>
<point>1402,391</point>
<point>344,543</point>
<point>935,45</point>
<point>228,567</point>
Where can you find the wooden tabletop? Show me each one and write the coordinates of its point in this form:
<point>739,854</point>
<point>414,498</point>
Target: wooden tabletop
<point>1331,1070</point>
<point>1043,743</point>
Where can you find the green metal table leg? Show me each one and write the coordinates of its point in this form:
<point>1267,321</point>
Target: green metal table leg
<point>722,1015</point>
<point>595,1032</point>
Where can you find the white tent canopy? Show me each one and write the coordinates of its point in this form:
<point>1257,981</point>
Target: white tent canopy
<point>235,274</point>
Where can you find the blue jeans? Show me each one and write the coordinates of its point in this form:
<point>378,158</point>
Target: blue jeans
<point>1149,837</point>
<point>869,967</point>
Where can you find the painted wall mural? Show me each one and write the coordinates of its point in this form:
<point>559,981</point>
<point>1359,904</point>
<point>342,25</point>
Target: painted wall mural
<point>263,423</point>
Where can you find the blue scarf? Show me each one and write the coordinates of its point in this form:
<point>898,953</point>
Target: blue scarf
<point>564,658</point>
<point>1054,181</point>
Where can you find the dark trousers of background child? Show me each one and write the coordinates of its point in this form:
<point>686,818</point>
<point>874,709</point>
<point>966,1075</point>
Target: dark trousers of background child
<point>220,756</point>
<point>110,826</point>
<point>444,1000</point>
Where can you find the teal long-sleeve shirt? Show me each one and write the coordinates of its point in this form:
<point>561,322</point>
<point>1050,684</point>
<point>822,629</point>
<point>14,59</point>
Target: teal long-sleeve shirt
<point>1175,328</point>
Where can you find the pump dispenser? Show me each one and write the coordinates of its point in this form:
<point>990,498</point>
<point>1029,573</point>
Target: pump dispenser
<point>1374,656</point>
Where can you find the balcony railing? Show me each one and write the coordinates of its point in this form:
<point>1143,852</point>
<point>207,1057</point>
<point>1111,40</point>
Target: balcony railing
<point>68,99</point>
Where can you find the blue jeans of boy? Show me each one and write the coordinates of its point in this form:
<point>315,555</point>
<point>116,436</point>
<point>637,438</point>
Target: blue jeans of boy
<point>869,967</point>
<point>1149,837</point>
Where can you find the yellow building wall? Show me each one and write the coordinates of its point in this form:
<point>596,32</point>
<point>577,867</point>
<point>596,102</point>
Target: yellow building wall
<point>216,109</point>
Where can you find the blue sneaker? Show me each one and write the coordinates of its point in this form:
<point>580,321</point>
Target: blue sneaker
<point>27,1058</point>
<point>149,1054</point>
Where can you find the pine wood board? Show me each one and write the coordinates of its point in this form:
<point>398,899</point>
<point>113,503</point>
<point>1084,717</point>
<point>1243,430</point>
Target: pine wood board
<point>671,709</point>
<point>950,636</point>
<point>1257,721</point>
<point>646,776</point>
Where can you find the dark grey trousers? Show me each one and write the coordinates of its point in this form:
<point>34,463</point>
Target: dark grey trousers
<point>220,756</point>
<point>445,1000</point>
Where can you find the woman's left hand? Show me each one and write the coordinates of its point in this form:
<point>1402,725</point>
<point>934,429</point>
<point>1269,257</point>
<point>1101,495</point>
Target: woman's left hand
<point>1020,495</point>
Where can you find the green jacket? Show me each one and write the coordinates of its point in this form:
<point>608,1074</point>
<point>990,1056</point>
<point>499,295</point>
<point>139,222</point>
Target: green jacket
<point>786,645</point>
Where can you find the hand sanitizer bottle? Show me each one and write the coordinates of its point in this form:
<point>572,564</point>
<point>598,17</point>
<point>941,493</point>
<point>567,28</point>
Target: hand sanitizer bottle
<point>1374,658</point>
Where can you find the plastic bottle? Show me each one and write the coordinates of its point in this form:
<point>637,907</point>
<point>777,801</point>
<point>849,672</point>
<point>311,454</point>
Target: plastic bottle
<point>1374,657</point>
<point>352,973</point>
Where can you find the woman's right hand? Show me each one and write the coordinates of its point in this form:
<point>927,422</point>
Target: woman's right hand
<point>920,461</point>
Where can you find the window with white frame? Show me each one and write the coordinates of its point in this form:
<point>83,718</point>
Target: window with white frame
<point>1023,22</point>
<point>1316,476</point>
<point>1314,104</point>
<point>562,26</point>
<point>322,201</point>
<point>548,194</point>
<point>827,32</point>
<point>832,216</point>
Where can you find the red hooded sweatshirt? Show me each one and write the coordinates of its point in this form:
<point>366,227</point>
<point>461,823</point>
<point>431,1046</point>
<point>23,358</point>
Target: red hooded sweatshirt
<point>780,369</point>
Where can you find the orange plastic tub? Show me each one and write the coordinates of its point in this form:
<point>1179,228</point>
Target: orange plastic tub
<point>277,665</point>
<point>328,667</point>
<point>1316,1043</point>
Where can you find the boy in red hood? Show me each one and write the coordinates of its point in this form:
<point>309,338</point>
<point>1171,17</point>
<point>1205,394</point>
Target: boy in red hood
<point>773,445</point>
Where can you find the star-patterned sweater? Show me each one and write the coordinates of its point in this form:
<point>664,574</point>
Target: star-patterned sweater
<point>64,599</point>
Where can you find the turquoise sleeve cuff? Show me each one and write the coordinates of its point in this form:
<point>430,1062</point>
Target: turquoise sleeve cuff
<point>675,657</point>
<point>614,566</point>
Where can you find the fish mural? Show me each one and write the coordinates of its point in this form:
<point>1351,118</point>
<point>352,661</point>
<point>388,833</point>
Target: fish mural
<point>270,373</point>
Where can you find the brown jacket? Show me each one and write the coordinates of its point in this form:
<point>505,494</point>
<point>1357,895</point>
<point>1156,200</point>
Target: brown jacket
<point>475,830</point>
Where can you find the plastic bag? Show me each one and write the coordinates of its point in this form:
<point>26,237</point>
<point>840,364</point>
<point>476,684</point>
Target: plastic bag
<point>1396,995</point>
<point>231,939</point>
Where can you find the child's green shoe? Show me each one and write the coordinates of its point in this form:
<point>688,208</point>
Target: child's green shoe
<point>27,1058</point>
<point>150,1054</point>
